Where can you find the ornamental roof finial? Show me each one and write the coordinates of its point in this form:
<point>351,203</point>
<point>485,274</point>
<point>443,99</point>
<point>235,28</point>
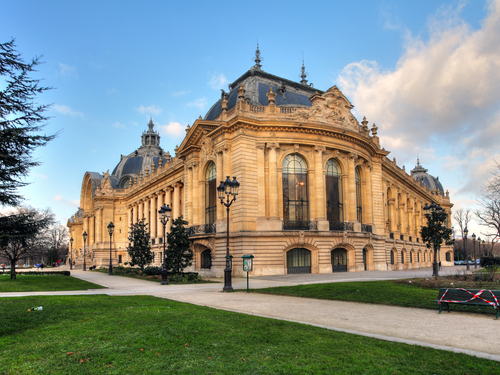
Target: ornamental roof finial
<point>303,71</point>
<point>257,59</point>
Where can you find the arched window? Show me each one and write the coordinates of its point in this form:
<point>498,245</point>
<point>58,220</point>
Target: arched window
<point>402,257</point>
<point>448,257</point>
<point>295,195</point>
<point>334,208</point>
<point>359,202</point>
<point>392,257</point>
<point>211,194</point>
<point>298,261</point>
<point>206,259</point>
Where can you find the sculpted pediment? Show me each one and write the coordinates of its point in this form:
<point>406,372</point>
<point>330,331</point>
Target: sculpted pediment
<point>330,107</point>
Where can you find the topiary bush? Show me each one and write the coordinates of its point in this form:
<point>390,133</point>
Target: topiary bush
<point>152,270</point>
<point>490,261</point>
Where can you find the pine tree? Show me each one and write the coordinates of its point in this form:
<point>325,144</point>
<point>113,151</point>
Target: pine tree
<point>139,248</point>
<point>179,253</point>
<point>21,119</point>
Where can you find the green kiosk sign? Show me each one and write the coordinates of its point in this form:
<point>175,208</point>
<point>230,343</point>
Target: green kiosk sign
<point>247,265</point>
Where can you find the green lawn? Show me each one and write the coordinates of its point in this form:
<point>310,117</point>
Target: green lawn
<point>398,292</point>
<point>31,283</point>
<point>148,335</point>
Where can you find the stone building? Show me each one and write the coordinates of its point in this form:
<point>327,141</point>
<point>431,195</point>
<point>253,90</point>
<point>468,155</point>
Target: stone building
<point>317,191</point>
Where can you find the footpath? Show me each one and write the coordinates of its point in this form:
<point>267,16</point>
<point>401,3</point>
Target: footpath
<point>473,334</point>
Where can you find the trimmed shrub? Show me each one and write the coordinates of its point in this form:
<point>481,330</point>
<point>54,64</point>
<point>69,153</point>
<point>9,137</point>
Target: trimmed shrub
<point>152,270</point>
<point>490,261</point>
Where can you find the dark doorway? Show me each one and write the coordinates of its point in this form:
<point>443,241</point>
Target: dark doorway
<point>364,258</point>
<point>339,260</point>
<point>298,261</point>
<point>206,259</point>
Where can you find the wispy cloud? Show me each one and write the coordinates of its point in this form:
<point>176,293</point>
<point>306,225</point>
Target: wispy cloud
<point>180,93</point>
<point>42,176</point>
<point>172,129</point>
<point>72,203</point>
<point>151,110</point>
<point>118,125</point>
<point>68,70</point>
<point>113,91</point>
<point>198,103</point>
<point>65,110</point>
<point>218,81</point>
<point>443,93</point>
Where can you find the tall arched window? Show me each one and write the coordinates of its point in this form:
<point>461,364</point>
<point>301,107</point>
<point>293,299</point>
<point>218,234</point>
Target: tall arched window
<point>211,194</point>
<point>359,200</point>
<point>334,208</point>
<point>295,195</point>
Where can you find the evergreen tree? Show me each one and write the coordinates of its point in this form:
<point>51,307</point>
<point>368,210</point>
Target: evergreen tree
<point>139,248</point>
<point>19,233</point>
<point>21,119</point>
<point>179,253</point>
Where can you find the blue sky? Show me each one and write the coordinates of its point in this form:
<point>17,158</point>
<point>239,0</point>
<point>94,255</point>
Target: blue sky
<point>426,72</point>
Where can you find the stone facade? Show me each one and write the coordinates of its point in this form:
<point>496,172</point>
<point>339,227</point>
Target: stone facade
<point>317,192</point>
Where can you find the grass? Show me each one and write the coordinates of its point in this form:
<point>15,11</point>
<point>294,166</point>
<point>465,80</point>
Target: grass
<point>148,335</point>
<point>420,293</point>
<point>30,283</point>
<point>136,273</point>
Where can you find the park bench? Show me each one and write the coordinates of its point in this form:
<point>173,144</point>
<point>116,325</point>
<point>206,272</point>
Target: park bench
<point>462,296</point>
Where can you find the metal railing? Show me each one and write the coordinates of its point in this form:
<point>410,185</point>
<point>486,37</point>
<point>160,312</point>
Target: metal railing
<point>366,228</point>
<point>300,225</point>
<point>201,229</point>
<point>341,226</point>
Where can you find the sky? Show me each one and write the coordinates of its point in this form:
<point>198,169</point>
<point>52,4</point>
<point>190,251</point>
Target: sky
<point>426,72</point>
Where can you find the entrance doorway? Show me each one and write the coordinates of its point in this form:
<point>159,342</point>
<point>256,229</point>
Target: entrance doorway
<point>298,261</point>
<point>365,258</point>
<point>339,260</point>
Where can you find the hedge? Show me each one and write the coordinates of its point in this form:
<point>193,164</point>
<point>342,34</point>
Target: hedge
<point>490,261</point>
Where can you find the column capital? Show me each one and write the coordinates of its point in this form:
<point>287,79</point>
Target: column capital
<point>273,145</point>
<point>260,146</point>
<point>352,156</point>
<point>319,149</point>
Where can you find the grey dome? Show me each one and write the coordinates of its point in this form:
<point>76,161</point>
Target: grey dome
<point>130,166</point>
<point>257,84</point>
<point>420,175</point>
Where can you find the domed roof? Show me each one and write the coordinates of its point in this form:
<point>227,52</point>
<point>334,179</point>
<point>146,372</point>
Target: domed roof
<point>257,83</point>
<point>130,166</point>
<point>420,175</point>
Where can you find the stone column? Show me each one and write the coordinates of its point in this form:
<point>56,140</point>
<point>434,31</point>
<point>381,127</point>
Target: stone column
<point>273,181</point>
<point>146,214</point>
<point>189,216</point>
<point>91,230</point>
<point>261,182</point>
<point>220,177</point>
<point>368,194</point>
<point>140,211</point>
<point>176,205</point>
<point>153,213</point>
<point>168,202</point>
<point>392,211</point>
<point>98,223</point>
<point>195,191</point>
<point>351,188</point>
<point>159,205</point>
<point>319,183</point>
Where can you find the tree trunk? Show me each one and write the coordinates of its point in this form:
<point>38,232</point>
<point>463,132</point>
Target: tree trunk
<point>13,270</point>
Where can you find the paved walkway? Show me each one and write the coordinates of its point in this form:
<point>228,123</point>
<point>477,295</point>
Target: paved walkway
<point>473,334</point>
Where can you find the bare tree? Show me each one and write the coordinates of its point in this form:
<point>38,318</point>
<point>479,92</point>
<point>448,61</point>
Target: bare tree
<point>488,215</point>
<point>462,217</point>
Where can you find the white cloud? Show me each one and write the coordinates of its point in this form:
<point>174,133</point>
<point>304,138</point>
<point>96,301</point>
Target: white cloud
<point>119,125</point>
<point>443,94</point>
<point>65,110</point>
<point>180,93</point>
<point>198,103</point>
<point>218,81</point>
<point>68,70</point>
<point>42,176</point>
<point>113,91</point>
<point>172,129</point>
<point>151,110</point>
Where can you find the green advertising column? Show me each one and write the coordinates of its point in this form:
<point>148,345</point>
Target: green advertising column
<point>247,265</point>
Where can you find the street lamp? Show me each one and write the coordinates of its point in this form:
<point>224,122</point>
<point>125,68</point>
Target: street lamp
<point>466,232</point>
<point>111,228</point>
<point>71,253</point>
<point>84,250</point>
<point>164,216</point>
<point>474,242</point>
<point>479,247</point>
<point>228,188</point>
<point>484,244</point>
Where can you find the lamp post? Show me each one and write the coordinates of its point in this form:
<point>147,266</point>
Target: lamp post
<point>164,216</point>
<point>228,188</point>
<point>474,242</point>
<point>478,248</point>
<point>466,232</point>
<point>71,253</point>
<point>484,244</point>
<point>111,228</point>
<point>84,251</point>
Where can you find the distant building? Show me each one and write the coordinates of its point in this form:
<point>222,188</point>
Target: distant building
<point>318,193</point>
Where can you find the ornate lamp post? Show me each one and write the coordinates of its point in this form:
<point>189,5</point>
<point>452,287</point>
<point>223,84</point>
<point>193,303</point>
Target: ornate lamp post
<point>84,250</point>
<point>111,228</point>
<point>466,232</point>
<point>474,242</point>
<point>478,248</point>
<point>164,216</point>
<point>226,189</point>
<point>435,232</point>
<point>71,253</point>
<point>484,244</point>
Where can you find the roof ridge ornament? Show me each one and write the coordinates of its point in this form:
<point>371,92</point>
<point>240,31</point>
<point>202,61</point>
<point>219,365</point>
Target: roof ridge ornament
<point>303,74</point>
<point>257,59</point>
